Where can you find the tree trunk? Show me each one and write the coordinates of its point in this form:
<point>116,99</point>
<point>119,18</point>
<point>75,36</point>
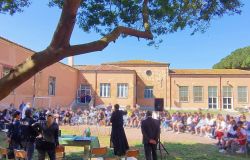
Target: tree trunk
<point>26,70</point>
<point>60,48</point>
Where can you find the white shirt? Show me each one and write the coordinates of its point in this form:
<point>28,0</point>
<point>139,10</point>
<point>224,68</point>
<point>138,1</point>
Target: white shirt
<point>189,120</point>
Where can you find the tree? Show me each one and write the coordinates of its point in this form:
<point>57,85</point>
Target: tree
<point>147,19</point>
<point>238,59</point>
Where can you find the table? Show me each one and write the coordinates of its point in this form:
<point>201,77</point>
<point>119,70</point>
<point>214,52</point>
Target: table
<point>86,142</point>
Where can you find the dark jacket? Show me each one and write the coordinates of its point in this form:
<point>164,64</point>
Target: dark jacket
<point>50,134</point>
<point>150,129</point>
<point>118,136</point>
<point>14,132</point>
<point>28,132</point>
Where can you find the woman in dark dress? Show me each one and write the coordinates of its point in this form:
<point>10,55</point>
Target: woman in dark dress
<point>118,137</point>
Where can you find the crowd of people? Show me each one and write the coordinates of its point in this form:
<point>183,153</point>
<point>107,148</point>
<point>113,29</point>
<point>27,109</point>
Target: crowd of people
<point>28,129</point>
<point>227,129</point>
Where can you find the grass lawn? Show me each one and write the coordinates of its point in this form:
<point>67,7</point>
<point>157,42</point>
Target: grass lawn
<point>178,151</point>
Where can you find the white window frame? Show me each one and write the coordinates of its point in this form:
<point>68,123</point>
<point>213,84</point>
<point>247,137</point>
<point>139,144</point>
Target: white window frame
<point>149,92</point>
<point>105,90</point>
<point>198,95</point>
<point>52,83</point>
<point>213,93</point>
<point>227,93</point>
<point>122,90</point>
<point>239,92</point>
<point>181,92</point>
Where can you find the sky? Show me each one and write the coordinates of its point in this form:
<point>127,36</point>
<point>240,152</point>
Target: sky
<point>34,29</point>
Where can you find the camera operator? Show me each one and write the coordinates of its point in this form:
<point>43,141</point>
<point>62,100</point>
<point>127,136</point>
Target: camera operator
<point>47,140</point>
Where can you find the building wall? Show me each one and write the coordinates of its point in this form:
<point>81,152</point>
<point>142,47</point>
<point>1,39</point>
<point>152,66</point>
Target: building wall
<point>66,79</point>
<point>157,80</point>
<point>95,78</point>
<point>207,80</point>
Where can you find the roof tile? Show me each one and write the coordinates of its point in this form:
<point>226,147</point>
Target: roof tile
<point>209,71</point>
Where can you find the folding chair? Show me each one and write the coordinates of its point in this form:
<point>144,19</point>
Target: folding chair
<point>132,154</point>
<point>20,154</point>
<point>60,152</point>
<point>111,158</point>
<point>98,152</point>
<point>3,153</point>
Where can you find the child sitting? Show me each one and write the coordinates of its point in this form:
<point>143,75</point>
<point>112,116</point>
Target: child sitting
<point>242,137</point>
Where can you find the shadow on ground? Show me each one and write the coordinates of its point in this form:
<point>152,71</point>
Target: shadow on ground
<point>180,151</point>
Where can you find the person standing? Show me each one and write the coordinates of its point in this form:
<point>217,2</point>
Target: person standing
<point>21,106</point>
<point>27,106</point>
<point>118,136</point>
<point>29,134</point>
<point>14,134</point>
<point>150,129</point>
<point>48,135</point>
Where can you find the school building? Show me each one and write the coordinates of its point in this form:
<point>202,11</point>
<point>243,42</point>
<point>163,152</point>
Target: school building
<point>135,83</point>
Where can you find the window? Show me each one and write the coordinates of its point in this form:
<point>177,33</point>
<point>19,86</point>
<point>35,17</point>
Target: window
<point>6,70</point>
<point>148,72</point>
<point>52,86</point>
<point>242,94</point>
<point>227,97</point>
<point>105,90</point>
<point>227,91</point>
<point>198,93</point>
<point>122,90</point>
<point>183,93</point>
<point>212,91</point>
<point>212,97</point>
<point>148,92</point>
<point>84,94</point>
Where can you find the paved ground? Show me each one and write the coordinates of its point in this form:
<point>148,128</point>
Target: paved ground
<point>134,135</point>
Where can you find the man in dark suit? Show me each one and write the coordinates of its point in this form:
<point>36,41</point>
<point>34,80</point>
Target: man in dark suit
<point>150,129</point>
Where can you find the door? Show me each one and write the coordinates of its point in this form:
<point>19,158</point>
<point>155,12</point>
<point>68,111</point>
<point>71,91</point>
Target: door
<point>84,94</point>
<point>159,104</point>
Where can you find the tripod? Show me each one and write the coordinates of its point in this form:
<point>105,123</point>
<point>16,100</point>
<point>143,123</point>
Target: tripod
<point>160,146</point>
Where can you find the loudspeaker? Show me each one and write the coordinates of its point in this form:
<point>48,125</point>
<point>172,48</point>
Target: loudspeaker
<point>159,108</point>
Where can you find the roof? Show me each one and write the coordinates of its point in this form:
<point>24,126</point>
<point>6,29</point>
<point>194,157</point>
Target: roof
<point>6,40</point>
<point>209,71</point>
<point>136,62</point>
<point>101,68</point>
<point>30,51</point>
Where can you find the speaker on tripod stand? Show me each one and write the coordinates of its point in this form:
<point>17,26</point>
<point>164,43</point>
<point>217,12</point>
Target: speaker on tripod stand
<point>159,108</point>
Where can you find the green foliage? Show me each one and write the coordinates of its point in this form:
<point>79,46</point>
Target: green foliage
<point>239,59</point>
<point>13,6</point>
<point>165,16</point>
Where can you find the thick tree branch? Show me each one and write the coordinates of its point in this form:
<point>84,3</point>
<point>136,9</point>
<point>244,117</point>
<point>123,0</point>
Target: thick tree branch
<point>59,47</point>
<point>104,41</point>
<point>66,24</point>
<point>27,69</point>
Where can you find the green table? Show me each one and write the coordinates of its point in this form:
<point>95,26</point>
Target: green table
<point>86,142</point>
